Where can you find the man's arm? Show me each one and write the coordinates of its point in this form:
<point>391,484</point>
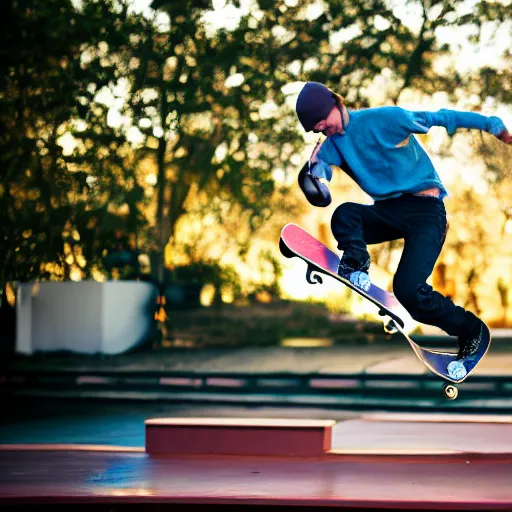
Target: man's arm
<point>421,122</point>
<point>315,173</point>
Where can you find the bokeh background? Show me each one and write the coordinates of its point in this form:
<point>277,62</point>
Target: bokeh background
<point>157,141</point>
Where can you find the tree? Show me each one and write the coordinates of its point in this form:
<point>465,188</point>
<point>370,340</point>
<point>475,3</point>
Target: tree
<point>184,121</point>
<point>212,104</point>
<point>54,221</point>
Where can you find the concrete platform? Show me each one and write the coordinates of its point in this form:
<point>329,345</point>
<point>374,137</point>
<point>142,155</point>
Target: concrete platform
<point>372,434</point>
<point>238,436</point>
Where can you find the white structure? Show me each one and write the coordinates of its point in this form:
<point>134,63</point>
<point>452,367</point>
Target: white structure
<point>87,316</point>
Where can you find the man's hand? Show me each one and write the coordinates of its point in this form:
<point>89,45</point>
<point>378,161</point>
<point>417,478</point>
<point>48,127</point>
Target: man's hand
<point>505,137</point>
<point>321,170</point>
<point>499,130</point>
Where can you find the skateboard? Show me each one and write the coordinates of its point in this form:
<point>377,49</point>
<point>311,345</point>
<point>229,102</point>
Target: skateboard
<point>295,241</point>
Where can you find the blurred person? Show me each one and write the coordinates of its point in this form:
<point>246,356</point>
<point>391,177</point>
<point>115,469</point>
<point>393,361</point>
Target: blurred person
<point>377,148</point>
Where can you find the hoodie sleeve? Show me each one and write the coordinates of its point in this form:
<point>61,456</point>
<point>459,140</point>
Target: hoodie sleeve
<point>327,156</point>
<point>421,122</point>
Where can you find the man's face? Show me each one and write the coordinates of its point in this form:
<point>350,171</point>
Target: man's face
<point>331,124</point>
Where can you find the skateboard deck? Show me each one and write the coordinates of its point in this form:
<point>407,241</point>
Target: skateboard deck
<point>295,241</point>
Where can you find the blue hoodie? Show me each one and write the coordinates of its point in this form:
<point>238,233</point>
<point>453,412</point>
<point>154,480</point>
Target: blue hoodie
<point>380,153</point>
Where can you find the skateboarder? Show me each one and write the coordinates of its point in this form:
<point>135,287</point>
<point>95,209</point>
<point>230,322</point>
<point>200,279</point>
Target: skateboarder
<point>377,148</point>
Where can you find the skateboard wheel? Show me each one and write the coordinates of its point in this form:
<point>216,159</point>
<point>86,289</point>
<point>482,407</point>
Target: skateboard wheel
<point>390,327</point>
<point>450,391</point>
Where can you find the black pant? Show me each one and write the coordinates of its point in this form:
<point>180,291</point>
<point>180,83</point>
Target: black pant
<point>421,222</point>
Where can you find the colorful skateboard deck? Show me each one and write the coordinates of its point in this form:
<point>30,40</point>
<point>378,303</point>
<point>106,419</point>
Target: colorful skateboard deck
<point>295,241</point>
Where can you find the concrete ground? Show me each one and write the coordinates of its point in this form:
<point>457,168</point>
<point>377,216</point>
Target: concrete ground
<point>393,357</point>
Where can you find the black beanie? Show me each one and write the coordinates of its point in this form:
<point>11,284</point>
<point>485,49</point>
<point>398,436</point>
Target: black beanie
<point>314,103</point>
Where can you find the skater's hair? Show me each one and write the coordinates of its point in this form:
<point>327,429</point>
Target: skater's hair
<point>338,99</point>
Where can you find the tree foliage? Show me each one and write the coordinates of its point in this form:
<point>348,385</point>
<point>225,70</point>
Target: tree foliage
<point>116,127</point>
<point>56,208</point>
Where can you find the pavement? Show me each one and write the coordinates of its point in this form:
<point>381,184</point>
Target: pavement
<point>353,376</point>
<point>394,356</point>
<point>115,478</point>
<point>378,460</point>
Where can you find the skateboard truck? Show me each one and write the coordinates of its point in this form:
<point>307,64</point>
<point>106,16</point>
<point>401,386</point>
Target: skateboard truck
<point>390,327</point>
<point>313,278</point>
